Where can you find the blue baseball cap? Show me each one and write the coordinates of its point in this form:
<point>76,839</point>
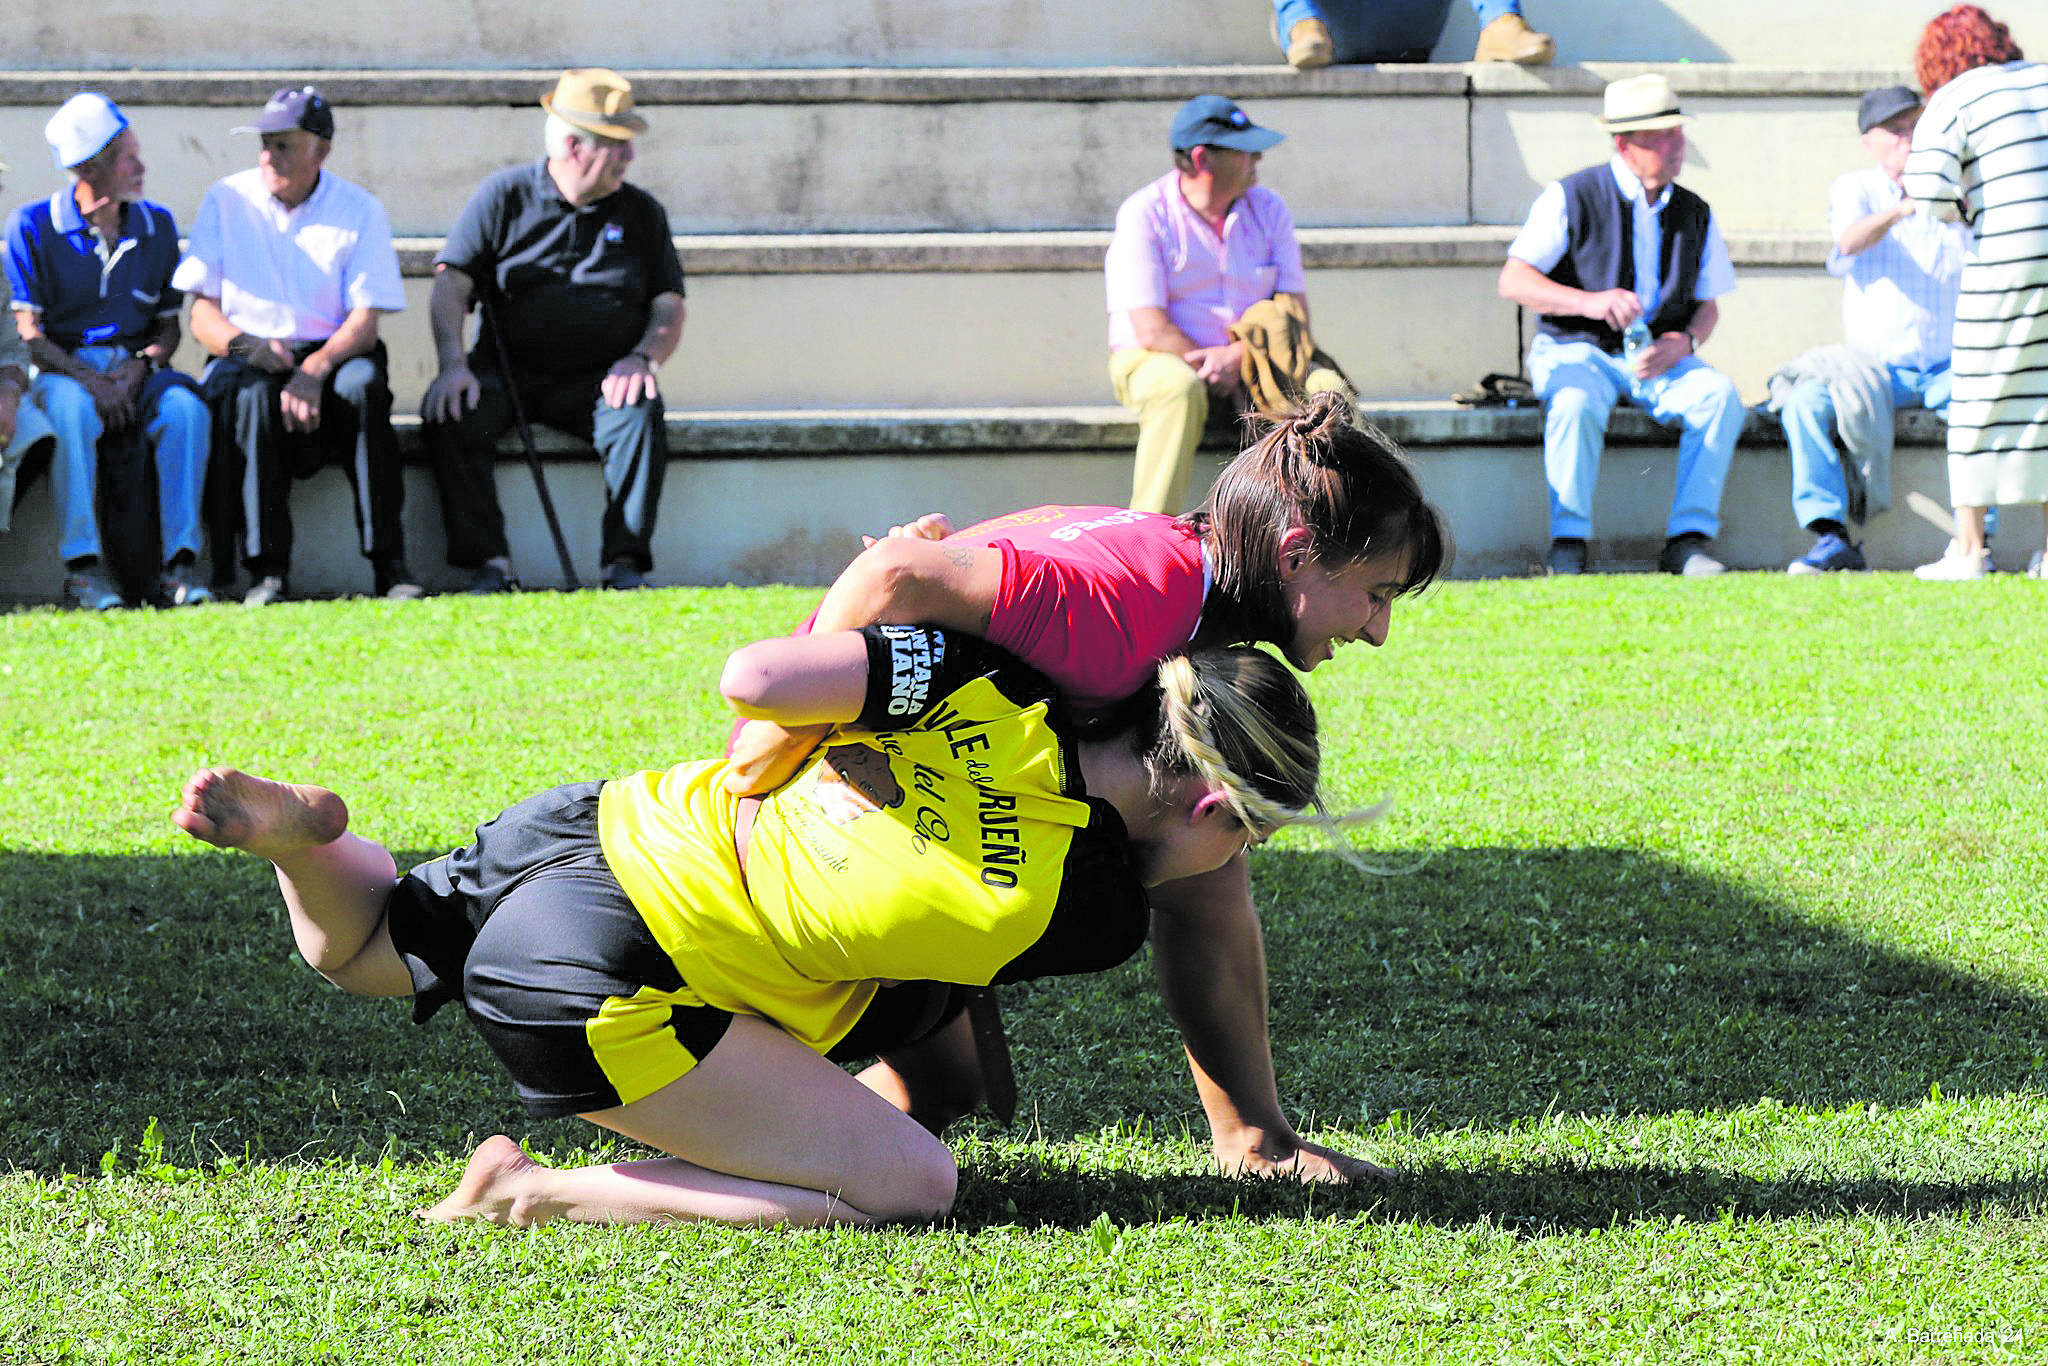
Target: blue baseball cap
<point>1212,121</point>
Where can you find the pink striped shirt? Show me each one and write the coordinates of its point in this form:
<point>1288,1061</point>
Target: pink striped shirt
<point>1165,255</point>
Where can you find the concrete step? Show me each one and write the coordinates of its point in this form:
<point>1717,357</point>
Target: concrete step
<point>976,319</point>
<point>51,34</point>
<point>1821,33</point>
<point>980,150</point>
<point>763,496</point>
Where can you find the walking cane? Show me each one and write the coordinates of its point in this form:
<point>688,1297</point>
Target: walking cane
<point>540,478</point>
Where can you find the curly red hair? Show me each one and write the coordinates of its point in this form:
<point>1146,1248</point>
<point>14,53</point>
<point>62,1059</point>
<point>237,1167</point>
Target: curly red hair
<point>1961,40</point>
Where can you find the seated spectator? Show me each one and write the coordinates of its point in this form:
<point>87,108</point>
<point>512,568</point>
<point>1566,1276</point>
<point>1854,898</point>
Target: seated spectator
<point>1191,252</point>
<point>1900,268</point>
<point>90,273</point>
<point>1379,31</point>
<point>583,301</point>
<point>289,268</point>
<point>22,424</point>
<point>1604,250</point>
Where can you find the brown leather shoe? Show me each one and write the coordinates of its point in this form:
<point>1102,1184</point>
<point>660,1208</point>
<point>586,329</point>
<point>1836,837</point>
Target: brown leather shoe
<point>1309,45</point>
<point>1510,39</point>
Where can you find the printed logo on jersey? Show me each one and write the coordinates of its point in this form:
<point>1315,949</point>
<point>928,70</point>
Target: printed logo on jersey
<point>1074,532</point>
<point>914,656</point>
<point>855,781</point>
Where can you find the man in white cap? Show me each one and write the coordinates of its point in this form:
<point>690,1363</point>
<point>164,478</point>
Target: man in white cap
<point>289,268</point>
<point>90,271</point>
<point>583,301</point>
<point>1608,251</point>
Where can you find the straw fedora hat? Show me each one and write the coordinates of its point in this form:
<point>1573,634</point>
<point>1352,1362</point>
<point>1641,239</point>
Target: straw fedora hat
<point>1639,104</point>
<point>597,100</point>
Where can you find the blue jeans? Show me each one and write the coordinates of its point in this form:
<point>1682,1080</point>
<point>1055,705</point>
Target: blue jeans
<point>1580,384</point>
<point>1819,491</point>
<point>175,429</point>
<point>1288,13</point>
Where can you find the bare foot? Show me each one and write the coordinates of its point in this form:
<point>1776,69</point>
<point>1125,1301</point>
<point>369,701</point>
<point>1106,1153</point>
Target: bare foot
<point>490,1188</point>
<point>233,810</point>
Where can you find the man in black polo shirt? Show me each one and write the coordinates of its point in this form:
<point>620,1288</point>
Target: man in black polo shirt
<point>1623,269</point>
<point>581,282</point>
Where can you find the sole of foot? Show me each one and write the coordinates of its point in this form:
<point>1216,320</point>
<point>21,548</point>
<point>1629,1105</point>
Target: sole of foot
<point>230,809</point>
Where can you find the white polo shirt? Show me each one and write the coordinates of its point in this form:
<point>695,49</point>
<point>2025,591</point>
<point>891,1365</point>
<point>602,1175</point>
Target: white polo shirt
<point>293,274</point>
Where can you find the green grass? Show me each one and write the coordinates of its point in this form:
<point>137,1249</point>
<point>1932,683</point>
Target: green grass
<point>1703,1006</point>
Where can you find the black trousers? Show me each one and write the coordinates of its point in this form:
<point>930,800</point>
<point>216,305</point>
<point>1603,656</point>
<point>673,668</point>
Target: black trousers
<point>631,443</point>
<point>255,460</point>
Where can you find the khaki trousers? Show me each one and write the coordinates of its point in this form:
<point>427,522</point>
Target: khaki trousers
<point>1172,405</point>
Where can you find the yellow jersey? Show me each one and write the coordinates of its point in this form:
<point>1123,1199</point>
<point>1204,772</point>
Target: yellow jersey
<point>945,836</point>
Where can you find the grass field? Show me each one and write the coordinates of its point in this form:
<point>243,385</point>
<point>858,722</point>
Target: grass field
<point>1702,1005</point>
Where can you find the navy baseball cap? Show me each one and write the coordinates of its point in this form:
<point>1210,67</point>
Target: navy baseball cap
<point>1212,121</point>
<point>1882,106</point>
<point>303,108</point>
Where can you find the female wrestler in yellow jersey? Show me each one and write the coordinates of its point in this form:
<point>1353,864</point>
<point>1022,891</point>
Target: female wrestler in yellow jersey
<point>683,966</point>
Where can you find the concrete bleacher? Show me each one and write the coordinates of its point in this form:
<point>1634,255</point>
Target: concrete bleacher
<point>892,213</point>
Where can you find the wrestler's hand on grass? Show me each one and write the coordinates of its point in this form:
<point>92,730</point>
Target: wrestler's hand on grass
<point>765,756</point>
<point>933,526</point>
<point>1301,1160</point>
<point>454,392</point>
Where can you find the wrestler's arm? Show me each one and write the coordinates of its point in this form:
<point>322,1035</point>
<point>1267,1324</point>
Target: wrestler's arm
<point>812,680</point>
<point>899,579</point>
<point>1209,954</point>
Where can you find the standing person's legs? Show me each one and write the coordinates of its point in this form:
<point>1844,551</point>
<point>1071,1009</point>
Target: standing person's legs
<point>1579,385</point>
<point>1172,404</point>
<point>1705,402</point>
<point>465,459</point>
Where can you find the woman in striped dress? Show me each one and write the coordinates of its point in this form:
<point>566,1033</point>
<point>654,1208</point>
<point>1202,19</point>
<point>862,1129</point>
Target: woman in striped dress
<point>1980,154</point>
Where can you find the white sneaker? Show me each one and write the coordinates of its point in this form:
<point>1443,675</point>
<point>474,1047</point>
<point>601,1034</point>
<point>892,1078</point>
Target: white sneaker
<point>1954,566</point>
<point>2037,568</point>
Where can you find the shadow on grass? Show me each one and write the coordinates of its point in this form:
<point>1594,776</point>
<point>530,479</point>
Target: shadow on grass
<point>1528,1197</point>
<point>1497,984</point>
<point>1491,986</point>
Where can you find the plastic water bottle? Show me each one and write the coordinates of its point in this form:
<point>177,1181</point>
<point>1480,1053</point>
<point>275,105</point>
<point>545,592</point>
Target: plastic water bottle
<point>1635,339</point>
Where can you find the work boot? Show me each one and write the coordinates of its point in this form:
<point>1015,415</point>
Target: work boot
<point>1309,45</point>
<point>1510,39</point>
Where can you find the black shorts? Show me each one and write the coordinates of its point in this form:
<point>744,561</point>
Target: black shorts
<point>530,930</point>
